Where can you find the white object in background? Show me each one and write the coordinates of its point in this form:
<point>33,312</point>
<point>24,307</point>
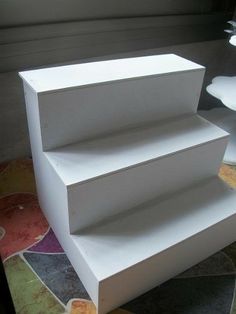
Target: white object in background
<point>225,119</point>
<point>233,40</point>
<point>224,88</point>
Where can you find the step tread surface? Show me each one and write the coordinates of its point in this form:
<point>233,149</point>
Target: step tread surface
<point>78,75</point>
<point>133,237</point>
<point>78,163</point>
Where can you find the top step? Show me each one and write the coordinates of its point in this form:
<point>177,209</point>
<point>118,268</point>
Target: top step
<point>81,102</point>
<point>93,73</point>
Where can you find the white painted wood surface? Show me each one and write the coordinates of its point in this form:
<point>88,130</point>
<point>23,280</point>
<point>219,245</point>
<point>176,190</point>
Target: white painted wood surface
<point>153,158</point>
<point>109,195</point>
<point>94,106</point>
<point>199,224</point>
<point>78,75</point>
<point>54,208</point>
<point>157,227</point>
<point>122,257</point>
<point>81,162</point>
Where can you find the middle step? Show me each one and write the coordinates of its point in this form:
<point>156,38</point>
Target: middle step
<point>106,176</point>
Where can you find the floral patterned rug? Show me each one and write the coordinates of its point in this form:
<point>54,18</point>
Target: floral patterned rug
<point>42,280</point>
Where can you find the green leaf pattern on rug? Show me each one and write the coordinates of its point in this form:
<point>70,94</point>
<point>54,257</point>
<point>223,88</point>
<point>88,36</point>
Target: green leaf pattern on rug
<point>28,293</point>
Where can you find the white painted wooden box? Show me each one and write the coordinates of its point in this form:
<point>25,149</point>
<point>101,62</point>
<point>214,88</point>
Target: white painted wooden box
<point>126,171</point>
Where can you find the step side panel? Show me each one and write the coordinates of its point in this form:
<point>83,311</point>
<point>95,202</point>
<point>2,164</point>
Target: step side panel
<point>54,208</point>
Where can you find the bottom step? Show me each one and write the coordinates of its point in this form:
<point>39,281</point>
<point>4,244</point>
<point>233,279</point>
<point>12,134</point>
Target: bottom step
<point>144,247</point>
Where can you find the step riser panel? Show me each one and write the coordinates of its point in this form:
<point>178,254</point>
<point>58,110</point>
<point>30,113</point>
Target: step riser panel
<point>74,114</point>
<point>103,197</point>
<point>140,278</point>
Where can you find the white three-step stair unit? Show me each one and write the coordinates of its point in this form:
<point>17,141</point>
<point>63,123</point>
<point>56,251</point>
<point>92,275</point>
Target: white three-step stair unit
<point>126,171</point>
